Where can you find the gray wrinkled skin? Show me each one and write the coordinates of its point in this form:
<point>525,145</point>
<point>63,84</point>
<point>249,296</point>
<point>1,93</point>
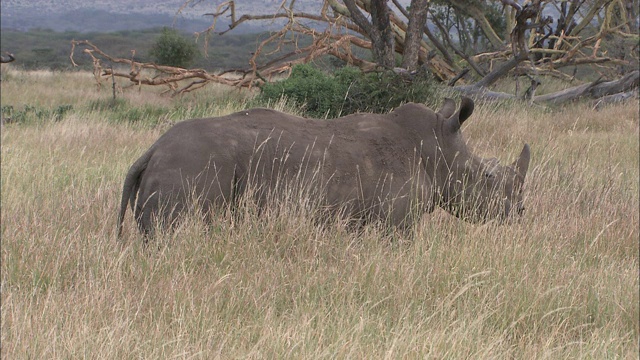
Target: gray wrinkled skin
<point>368,167</point>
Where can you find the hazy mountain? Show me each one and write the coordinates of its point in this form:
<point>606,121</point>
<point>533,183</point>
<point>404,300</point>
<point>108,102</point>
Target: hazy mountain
<point>113,15</point>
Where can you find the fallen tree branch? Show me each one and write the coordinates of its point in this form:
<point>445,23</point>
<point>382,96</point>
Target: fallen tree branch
<point>453,81</point>
<point>624,84</point>
<point>337,45</point>
<point>614,99</point>
<point>595,90</point>
<point>566,95</point>
<point>604,91</point>
<point>165,75</point>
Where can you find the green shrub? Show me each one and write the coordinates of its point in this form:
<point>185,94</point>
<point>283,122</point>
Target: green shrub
<point>319,92</point>
<point>34,114</point>
<point>173,49</point>
<point>348,91</point>
<point>61,110</point>
<point>380,92</point>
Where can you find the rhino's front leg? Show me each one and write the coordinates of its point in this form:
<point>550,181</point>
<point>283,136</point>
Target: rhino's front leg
<point>406,204</point>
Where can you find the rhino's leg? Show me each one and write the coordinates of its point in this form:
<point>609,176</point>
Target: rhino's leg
<point>161,212</point>
<point>143,212</point>
<point>160,201</point>
<point>406,203</point>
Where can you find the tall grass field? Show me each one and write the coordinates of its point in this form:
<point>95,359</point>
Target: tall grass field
<point>561,283</point>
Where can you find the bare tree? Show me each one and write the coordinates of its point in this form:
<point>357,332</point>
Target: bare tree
<point>495,38</point>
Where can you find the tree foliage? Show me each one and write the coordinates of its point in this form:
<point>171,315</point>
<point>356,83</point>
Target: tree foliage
<point>173,49</point>
<point>348,90</point>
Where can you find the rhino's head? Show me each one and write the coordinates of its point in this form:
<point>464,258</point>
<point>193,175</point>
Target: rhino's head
<point>487,190</point>
<point>475,189</point>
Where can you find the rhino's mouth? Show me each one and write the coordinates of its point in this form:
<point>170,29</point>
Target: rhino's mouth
<point>502,211</point>
<point>512,212</point>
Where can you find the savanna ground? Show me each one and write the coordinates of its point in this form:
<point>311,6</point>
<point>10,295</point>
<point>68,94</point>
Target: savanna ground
<point>561,283</point>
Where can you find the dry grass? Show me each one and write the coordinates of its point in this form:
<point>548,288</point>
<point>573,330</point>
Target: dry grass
<point>561,283</point>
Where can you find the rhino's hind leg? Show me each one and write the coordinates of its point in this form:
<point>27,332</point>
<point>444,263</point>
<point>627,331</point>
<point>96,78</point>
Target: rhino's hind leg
<point>158,213</point>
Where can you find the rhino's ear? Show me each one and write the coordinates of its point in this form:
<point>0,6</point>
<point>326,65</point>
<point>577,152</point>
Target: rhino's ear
<point>448,108</point>
<point>521,166</point>
<point>466,109</point>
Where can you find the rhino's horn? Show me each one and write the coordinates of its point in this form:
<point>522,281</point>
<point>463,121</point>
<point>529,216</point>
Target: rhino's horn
<point>466,109</point>
<point>521,165</point>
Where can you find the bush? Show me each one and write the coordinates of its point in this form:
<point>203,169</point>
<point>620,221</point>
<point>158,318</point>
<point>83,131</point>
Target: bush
<point>381,92</point>
<point>307,85</point>
<point>348,91</point>
<point>173,49</point>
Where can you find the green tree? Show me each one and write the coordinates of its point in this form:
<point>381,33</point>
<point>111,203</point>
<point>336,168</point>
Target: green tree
<point>173,49</point>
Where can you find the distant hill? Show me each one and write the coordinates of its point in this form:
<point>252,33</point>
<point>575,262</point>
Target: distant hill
<point>117,15</point>
<point>94,20</point>
<point>45,49</point>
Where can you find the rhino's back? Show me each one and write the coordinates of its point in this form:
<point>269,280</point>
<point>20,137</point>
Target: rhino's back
<point>244,132</point>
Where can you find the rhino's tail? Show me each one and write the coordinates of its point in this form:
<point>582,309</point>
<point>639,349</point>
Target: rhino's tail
<point>131,184</point>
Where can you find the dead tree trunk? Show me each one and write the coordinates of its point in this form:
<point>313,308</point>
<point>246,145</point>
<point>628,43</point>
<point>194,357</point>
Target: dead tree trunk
<point>413,38</point>
<point>378,29</point>
<point>595,90</point>
<point>624,84</point>
<point>615,98</point>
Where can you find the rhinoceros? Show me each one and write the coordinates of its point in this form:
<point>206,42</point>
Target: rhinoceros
<point>364,167</point>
